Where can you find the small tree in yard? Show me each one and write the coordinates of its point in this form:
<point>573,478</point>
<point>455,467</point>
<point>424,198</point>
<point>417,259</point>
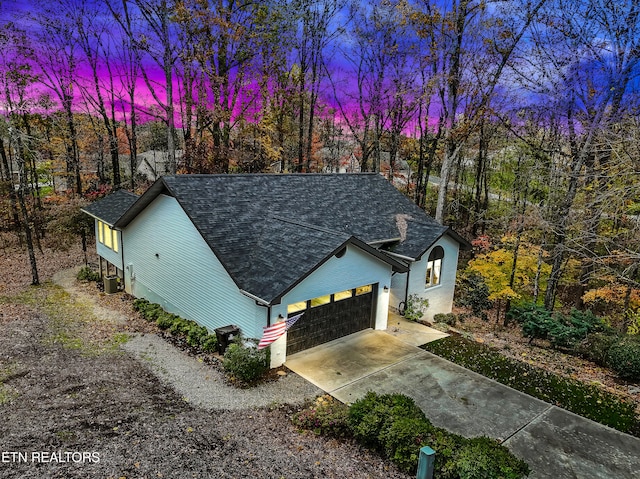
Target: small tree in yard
<point>506,285</point>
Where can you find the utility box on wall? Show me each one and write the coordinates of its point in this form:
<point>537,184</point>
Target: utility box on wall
<point>225,335</point>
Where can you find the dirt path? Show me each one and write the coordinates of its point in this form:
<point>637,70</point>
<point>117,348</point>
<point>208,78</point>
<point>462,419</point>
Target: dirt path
<point>67,280</point>
<point>71,409</point>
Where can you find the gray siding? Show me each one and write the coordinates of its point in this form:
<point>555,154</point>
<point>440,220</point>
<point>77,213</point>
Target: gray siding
<point>168,262</point>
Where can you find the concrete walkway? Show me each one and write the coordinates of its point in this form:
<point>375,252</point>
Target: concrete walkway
<point>555,443</point>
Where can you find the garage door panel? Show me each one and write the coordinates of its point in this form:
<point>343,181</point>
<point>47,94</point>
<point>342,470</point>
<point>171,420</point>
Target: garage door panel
<point>330,321</point>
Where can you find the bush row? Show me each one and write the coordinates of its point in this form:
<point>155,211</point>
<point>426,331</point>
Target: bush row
<point>394,426</point>
<point>195,335</point>
<point>584,334</point>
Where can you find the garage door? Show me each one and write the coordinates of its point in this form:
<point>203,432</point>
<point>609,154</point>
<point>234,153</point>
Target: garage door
<point>331,317</point>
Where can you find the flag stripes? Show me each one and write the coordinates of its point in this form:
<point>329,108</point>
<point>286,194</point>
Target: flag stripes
<point>273,332</point>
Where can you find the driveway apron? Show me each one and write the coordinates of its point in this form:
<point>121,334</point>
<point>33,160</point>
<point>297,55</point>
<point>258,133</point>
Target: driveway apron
<point>555,443</point>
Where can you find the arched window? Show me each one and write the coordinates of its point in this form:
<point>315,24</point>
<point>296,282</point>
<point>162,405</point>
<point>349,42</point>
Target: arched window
<point>434,267</point>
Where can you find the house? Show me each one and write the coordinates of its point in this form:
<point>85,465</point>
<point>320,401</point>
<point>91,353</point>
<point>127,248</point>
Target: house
<point>250,250</point>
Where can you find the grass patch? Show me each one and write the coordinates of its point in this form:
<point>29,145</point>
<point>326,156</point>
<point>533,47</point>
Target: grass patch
<point>587,400</point>
<point>71,322</point>
<point>7,393</point>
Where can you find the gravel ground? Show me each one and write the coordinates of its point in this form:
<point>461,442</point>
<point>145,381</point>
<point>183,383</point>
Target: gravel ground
<point>205,387</point>
<point>72,408</point>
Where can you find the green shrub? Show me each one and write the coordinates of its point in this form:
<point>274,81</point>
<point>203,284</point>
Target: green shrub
<point>243,361</point>
<point>180,326</point>
<point>415,307</point>
<point>595,347</point>
<point>151,311</point>
<point>563,331</point>
<point>87,274</point>
<point>140,304</point>
<point>209,344</point>
<point>165,320</point>
<point>447,318</point>
<point>473,293</point>
<point>624,357</point>
<point>326,416</point>
<point>536,321</point>
<point>395,426</point>
<point>404,438</point>
<point>196,335</point>
<point>483,457</point>
<point>390,424</point>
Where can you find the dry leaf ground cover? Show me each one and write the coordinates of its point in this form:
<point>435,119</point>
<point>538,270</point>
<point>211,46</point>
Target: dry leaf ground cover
<point>75,405</point>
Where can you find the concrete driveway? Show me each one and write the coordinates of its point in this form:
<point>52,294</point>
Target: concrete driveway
<point>555,443</point>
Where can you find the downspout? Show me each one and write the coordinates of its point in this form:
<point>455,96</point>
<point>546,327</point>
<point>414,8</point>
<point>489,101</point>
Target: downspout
<point>124,279</point>
<point>406,293</point>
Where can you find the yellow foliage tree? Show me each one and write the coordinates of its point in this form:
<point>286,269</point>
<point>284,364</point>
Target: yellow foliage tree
<point>496,268</point>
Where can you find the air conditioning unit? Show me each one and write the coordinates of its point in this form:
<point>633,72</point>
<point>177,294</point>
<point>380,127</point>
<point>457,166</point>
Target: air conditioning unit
<point>111,284</point>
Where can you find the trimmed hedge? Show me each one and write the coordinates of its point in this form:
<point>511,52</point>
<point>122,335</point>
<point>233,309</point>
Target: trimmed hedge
<point>394,426</point>
<point>195,335</point>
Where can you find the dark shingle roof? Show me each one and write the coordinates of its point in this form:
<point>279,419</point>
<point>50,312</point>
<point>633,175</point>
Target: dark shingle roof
<point>271,231</point>
<point>110,208</point>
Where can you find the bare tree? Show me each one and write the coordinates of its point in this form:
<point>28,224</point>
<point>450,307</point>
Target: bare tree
<point>58,62</point>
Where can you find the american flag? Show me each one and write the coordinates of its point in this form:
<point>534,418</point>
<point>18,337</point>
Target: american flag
<point>273,332</point>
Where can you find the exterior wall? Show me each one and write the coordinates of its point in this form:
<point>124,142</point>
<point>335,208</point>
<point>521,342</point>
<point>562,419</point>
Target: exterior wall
<point>440,296</point>
<point>169,263</point>
<point>398,289</point>
<point>356,268</point>
<point>113,257</point>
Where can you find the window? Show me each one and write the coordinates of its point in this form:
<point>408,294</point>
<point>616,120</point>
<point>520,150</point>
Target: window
<point>342,295</point>
<point>319,301</point>
<point>107,236</point>
<point>434,267</point>
<point>364,290</point>
<point>295,307</point>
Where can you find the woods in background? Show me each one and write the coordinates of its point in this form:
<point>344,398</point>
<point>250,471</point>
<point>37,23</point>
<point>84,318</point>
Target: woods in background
<point>516,122</point>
